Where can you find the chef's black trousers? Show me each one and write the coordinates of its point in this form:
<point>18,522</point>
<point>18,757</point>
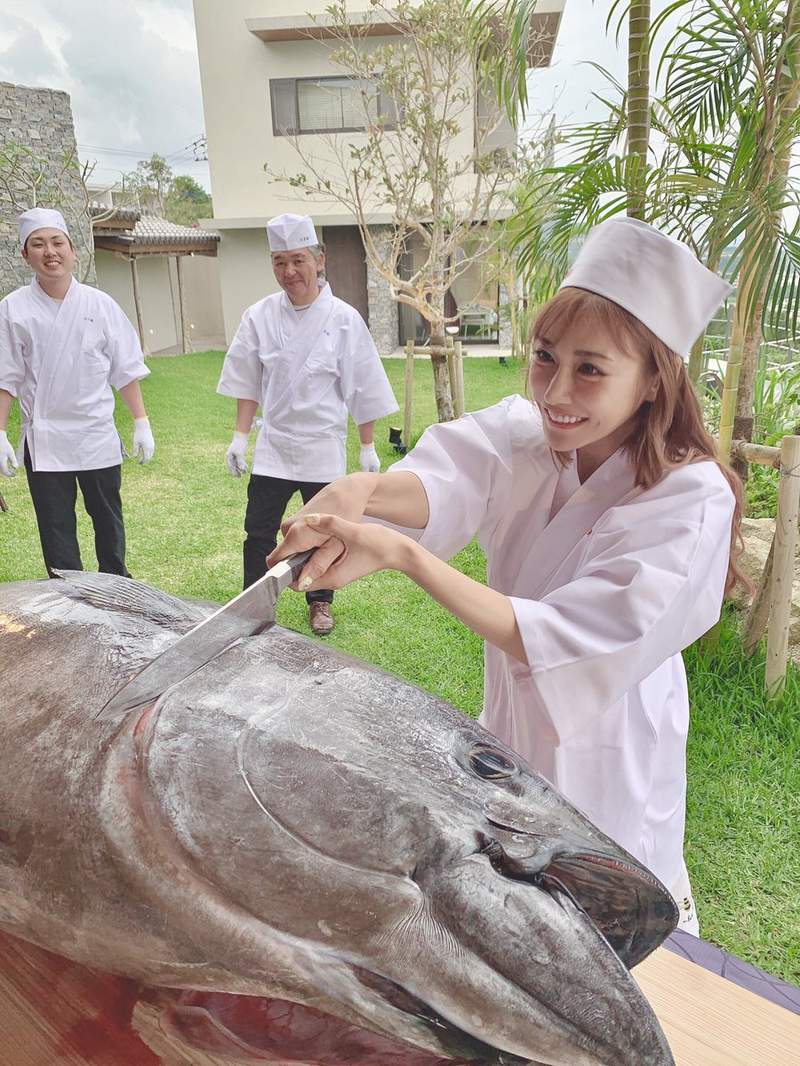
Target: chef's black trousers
<point>54,494</point>
<point>267,498</point>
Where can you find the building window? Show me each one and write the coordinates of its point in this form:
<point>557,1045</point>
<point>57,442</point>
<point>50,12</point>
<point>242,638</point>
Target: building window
<point>327,105</point>
<point>493,128</point>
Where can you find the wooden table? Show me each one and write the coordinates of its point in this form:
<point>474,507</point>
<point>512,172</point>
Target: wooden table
<point>56,1013</point>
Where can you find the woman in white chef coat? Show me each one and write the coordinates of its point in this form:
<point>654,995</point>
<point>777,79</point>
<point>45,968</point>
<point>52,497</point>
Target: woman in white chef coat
<point>63,346</point>
<point>607,525</point>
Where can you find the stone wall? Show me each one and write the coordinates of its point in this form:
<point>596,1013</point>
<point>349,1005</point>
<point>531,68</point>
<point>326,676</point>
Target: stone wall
<point>383,324</point>
<point>38,121</point>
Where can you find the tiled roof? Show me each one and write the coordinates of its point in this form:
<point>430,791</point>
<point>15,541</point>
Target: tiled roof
<point>120,214</point>
<point>153,236</point>
<point>153,230</point>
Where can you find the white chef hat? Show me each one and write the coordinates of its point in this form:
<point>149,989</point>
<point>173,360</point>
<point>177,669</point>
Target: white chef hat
<point>39,218</point>
<point>658,279</point>
<point>288,233</point>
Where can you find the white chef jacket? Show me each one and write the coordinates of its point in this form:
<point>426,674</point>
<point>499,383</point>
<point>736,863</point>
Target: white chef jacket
<point>606,593</point>
<point>61,362</point>
<point>307,369</point>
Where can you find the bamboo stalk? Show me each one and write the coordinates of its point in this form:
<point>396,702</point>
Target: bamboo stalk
<point>783,566</point>
<point>409,391</point>
<point>756,453</point>
<point>431,349</point>
<point>758,615</point>
<point>695,367</point>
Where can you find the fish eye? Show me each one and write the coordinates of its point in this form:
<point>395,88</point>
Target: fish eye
<point>491,764</point>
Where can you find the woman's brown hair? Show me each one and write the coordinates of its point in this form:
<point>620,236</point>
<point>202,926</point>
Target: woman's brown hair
<point>670,431</point>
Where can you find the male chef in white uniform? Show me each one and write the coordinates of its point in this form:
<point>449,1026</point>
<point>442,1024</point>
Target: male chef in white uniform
<point>63,346</point>
<point>308,359</point>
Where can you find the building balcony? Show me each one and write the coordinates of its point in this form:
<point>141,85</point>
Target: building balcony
<point>273,28</point>
<point>301,27</point>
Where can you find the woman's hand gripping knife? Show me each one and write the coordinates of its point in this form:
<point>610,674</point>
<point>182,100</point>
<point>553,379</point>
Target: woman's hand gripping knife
<point>346,548</point>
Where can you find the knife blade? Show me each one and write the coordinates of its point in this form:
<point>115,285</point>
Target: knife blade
<point>249,613</point>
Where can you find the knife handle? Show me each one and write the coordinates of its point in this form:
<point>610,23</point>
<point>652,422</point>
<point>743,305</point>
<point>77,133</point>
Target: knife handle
<point>297,562</point>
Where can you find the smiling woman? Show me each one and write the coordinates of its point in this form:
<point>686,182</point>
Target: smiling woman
<point>602,566</point>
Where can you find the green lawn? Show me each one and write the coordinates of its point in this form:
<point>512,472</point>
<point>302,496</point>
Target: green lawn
<point>184,519</point>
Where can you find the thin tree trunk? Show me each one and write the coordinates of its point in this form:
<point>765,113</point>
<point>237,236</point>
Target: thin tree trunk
<point>745,342</point>
<point>734,367</point>
<point>751,346</point>
<point>441,377</point>
<point>638,99</point>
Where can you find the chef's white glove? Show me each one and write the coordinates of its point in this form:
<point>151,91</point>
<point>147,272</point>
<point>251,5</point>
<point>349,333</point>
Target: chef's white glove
<point>8,460</point>
<point>368,458</point>
<point>235,455</point>
<point>144,445</point>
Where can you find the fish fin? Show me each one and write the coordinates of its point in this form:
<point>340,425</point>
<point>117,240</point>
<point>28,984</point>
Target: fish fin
<point>110,592</point>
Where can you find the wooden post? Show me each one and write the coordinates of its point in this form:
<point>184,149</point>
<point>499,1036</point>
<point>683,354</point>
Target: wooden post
<point>452,373</point>
<point>783,567</point>
<point>181,304</point>
<point>758,615</point>
<point>458,396</point>
<point>137,300</point>
<point>409,392</point>
<point>762,454</point>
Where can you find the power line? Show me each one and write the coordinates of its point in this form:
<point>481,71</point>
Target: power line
<point>197,147</point>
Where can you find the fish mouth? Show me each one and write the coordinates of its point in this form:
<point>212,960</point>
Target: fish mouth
<point>463,1047</point>
<point>261,1029</point>
<point>545,943</point>
<point>628,906</point>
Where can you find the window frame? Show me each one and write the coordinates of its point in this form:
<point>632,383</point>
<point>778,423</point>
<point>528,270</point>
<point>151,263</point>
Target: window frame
<point>296,131</point>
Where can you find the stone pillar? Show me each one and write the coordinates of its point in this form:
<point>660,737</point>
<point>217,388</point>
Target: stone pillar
<point>40,120</point>
<point>383,324</point>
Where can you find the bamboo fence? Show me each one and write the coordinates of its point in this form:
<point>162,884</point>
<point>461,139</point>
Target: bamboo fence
<point>455,367</point>
<point>771,608</point>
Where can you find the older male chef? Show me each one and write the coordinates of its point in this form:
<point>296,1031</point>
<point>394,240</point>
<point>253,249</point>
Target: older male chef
<point>307,358</point>
<point>63,345</point>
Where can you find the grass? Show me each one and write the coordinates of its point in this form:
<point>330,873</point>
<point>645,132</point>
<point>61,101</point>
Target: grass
<point>184,517</point>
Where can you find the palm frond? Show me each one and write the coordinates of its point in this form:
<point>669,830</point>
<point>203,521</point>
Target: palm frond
<point>501,32</point>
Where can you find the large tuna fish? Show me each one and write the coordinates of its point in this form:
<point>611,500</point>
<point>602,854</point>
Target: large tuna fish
<point>290,823</point>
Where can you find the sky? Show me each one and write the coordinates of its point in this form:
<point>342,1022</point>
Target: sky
<point>130,67</point>
<point>132,73</point>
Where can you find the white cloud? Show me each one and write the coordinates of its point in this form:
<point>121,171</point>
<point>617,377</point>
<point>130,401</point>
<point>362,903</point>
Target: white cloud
<point>130,69</point>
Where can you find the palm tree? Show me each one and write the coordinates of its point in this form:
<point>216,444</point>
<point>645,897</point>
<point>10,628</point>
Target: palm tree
<point>733,77</point>
<point>638,99</point>
<point>505,56</point>
<point>727,122</point>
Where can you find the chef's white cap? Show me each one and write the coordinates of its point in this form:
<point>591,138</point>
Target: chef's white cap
<point>40,218</point>
<point>658,279</point>
<point>288,233</point>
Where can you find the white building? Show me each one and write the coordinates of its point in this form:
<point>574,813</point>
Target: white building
<point>264,73</point>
